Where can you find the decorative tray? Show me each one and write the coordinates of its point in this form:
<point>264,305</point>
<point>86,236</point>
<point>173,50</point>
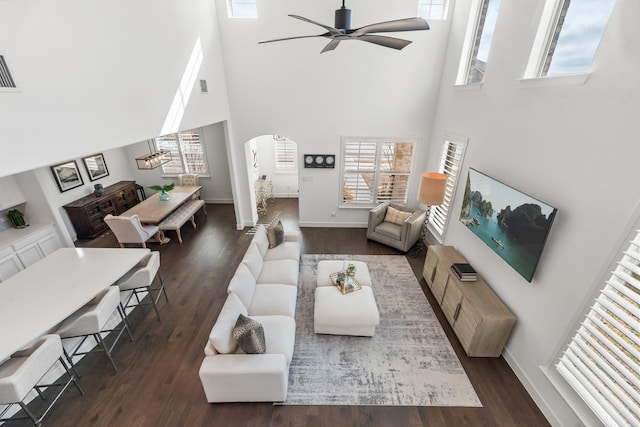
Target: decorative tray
<point>350,283</point>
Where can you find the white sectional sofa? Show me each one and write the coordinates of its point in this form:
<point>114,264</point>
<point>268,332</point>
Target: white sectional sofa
<point>264,288</point>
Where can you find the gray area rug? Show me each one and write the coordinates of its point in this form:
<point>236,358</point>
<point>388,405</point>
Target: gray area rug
<point>409,361</point>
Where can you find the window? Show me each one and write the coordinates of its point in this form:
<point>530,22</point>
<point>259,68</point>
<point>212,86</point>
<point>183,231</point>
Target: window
<point>568,37</point>
<point>187,153</point>
<point>450,163</point>
<point>242,9</point>
<point>601,361</point>
<point>431,9</point>
<point>478,41</point>
<point>286,154</point>
<point>375,170</point>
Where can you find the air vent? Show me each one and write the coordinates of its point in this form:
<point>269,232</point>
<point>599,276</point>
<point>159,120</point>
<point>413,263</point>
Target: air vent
<point>203,86</point>
<point>6,81</point>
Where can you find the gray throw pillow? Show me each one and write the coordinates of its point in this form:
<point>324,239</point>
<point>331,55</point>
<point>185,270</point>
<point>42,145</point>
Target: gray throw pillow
<point>275,235</point>
<point>249,335</point>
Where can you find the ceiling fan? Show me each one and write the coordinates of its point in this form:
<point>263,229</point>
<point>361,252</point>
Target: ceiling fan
<point>342,31</point>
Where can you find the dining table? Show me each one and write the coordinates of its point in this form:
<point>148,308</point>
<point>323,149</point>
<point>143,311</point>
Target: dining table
<point>152,210</point>
<point>38,298</point>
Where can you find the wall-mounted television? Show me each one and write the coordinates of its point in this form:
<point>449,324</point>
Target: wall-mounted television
<point>512,223</point>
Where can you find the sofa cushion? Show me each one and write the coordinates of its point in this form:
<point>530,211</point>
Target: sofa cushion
<point>388,229</point>
<point>261,240</point>
<point>396,216</point>
<point>270,299</point>
<point>286,250</point>
<point>253,260</point>
<point>275,235</point>
<point>221,336</point>
<point>243,284</point>
<point>283,271</point>
<point>279,334</point>
<point>249,335</point>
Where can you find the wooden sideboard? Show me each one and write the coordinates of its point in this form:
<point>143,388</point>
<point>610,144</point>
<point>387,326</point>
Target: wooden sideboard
<point>87,214</point>
<point>479,319</point>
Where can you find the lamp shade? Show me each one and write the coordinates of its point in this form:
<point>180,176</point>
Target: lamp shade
<point>432,188</point>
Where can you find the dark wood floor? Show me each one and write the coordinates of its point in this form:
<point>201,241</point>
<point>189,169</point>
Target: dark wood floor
<point>158,385</point>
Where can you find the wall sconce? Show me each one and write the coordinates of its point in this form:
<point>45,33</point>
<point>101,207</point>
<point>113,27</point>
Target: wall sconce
<point>155,157</point>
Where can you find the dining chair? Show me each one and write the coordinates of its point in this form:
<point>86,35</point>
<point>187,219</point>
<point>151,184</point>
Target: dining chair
<point>139,281</point>
<point>23,372</point>
<point>92,320</point>
<point>129,229</point>
<point>190,179</point>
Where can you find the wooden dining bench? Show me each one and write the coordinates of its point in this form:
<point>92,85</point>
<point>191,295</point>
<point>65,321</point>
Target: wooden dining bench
<point>180,216</point>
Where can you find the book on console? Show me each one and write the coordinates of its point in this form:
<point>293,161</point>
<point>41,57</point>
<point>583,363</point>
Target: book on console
<point>464,268</point>
<point>465,277</point>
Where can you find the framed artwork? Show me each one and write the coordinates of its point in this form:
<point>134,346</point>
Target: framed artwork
<point>67,175</point>
<point>96,166</point>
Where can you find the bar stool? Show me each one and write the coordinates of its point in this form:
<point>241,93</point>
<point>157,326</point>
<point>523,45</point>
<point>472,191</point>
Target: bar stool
<point>139,280</point>
<point>25,369</point>
<point>90,321</point>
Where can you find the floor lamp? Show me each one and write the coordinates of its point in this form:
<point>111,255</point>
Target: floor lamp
<point>433,186</point>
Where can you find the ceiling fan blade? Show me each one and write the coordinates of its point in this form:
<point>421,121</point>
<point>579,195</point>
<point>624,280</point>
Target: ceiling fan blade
<point>385,41</point>
<point>293,38</point>
<point>408,24</point>
<point>330,46</point>
<point>333,31</point>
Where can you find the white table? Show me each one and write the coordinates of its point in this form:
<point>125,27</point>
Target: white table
<point>43,295</point>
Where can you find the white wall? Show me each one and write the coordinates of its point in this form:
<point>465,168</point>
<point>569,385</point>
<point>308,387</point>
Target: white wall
<point>102,74</point>
<point>574,146</point>
<point>290,89</point>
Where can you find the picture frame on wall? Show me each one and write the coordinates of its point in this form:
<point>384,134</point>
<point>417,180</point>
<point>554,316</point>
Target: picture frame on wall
<point>96,166</point>
<point>67,175</point>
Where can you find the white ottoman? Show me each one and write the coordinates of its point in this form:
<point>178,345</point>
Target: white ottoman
<point>326,267</point>
<point>355,313</point>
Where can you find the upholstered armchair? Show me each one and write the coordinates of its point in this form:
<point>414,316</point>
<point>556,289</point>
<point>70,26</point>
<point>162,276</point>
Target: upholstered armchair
<point>128,229</point>
<point>395,225</point>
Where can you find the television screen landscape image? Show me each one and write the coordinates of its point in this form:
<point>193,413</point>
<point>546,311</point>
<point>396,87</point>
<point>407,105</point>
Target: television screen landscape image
<point>513,224</point>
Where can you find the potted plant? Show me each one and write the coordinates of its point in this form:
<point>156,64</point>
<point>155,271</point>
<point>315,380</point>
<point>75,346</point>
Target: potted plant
<point>164,190</point>
<point>351,270</point>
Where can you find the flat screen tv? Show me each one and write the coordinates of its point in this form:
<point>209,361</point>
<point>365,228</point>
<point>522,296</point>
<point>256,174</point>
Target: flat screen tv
<point>512,223</point>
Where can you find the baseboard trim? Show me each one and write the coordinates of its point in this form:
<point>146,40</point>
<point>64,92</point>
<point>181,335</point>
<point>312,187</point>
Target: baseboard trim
<point>219,201</point>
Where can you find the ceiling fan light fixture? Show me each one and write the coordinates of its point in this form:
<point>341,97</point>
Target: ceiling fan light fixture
<point>343,18</point>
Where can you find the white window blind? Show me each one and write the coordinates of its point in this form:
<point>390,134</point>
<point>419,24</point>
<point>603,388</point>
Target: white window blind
<point>286,154</point>
<point>450,164</point>
<point>187,153</point>
<point>601,362</point>
<point>242,9</point>
<point>376,170</point>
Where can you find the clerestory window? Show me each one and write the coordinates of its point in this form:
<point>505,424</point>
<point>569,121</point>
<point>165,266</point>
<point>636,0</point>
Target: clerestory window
<point>568,37</point>
<point>242,8</point>
<point>475,53</point>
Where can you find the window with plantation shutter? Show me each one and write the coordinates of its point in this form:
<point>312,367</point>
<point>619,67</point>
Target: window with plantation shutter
<point>187,153</point>
<point>601,363</point>
<point>450,164</point>
<point>375,170</point>
<point>286,154</point>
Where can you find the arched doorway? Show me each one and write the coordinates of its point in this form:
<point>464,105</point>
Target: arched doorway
<point>272,164</point>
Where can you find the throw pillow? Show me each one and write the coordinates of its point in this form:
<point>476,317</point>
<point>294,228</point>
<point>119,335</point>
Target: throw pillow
<point>275,235</point>
<point>249,335</point>
<point>396,216</point>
